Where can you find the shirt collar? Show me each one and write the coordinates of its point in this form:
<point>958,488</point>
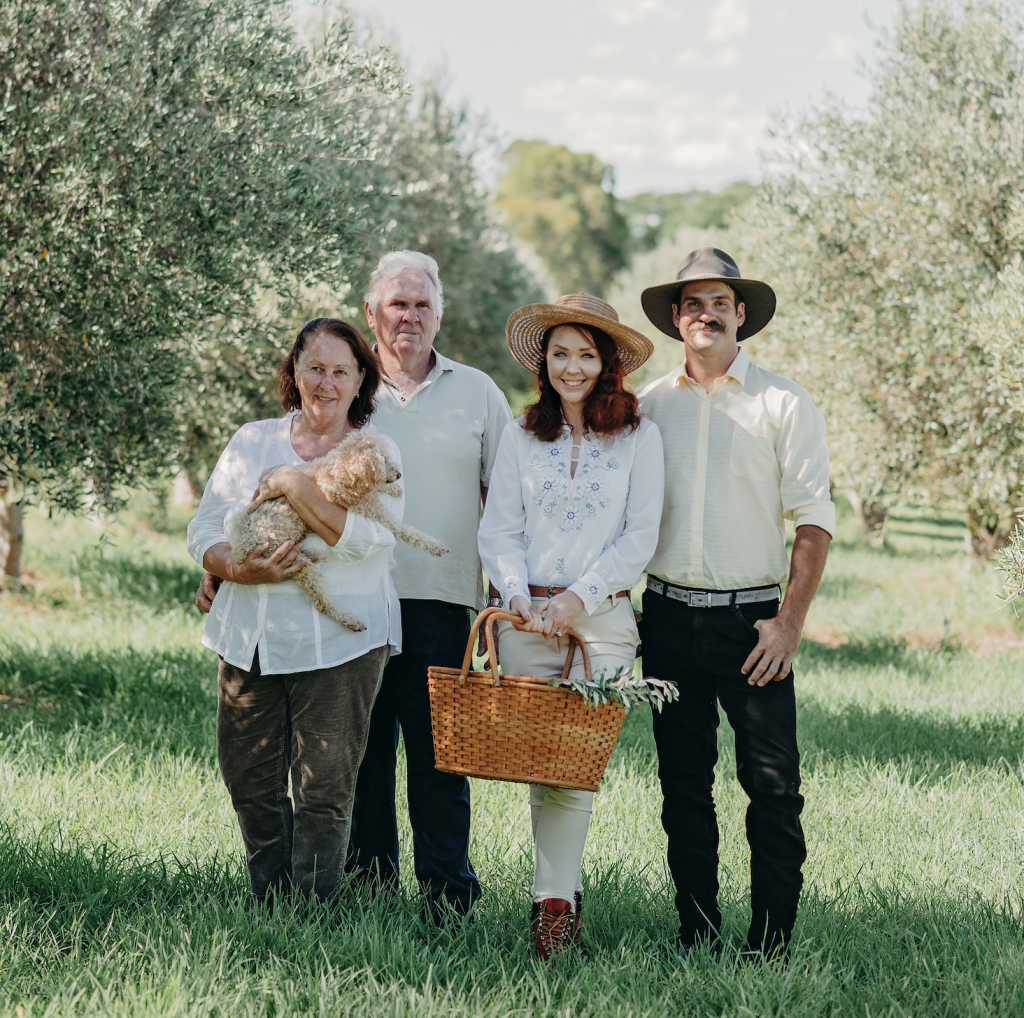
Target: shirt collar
<point>737,370</point>
<point>441,365</point>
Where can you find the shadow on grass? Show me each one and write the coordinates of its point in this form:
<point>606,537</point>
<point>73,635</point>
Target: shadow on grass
<point>140,576</point>
<point>879,652</point>
<point>163,698</point>
<point>108,572</point>
<point>930,742</point>
<point>933,743</point>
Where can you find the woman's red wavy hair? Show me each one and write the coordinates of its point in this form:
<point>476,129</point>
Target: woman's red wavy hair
<point>609,408</point>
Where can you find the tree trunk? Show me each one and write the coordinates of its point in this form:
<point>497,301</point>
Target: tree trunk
<point>12,534</point>
<point>873,518</point>
<point>988,531</point>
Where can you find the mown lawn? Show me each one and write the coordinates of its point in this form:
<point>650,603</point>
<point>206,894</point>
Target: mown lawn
<point>122,890</point>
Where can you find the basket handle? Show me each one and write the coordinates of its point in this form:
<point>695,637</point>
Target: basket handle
<point>488,617</point>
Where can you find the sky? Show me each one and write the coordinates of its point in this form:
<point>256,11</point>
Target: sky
<point>675,94</point>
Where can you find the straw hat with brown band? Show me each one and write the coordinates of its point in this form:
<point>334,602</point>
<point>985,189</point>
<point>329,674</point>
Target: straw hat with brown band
<point>526,327</point>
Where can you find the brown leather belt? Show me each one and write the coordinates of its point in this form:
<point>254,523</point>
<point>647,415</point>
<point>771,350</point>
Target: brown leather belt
<point>536,591</point>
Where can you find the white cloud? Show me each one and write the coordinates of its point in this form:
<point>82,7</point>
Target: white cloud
<point>841,48</point>
<point>727,20</point>
<point>728,57</point>
<point>640,10</point>
<point>637,122</point>
<point>603,49</point>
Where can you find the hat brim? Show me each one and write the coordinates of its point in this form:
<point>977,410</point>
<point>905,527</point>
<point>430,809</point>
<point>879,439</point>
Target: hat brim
<point>758,300</point>
<point>526,327</point>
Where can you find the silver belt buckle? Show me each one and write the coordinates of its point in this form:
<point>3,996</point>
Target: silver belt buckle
<point>700,599</point>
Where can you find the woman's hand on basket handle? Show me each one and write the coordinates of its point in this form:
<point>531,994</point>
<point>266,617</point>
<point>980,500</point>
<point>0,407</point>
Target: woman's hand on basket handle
<point>560,613</point>
<point>533,621</point>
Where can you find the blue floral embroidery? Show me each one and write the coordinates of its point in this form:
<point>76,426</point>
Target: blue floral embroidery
<point>572,501</point>
<point>560,566</point>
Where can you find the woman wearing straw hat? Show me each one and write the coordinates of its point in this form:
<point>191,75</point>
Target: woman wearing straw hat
<point>571,521</point>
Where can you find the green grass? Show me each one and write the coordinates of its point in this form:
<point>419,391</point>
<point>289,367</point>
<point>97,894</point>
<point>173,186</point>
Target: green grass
<point>122,890</point>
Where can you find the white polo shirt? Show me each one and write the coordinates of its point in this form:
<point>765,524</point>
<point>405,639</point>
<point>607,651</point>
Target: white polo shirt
<point>448,433</point>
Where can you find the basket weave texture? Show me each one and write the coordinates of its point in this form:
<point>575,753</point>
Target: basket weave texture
<point>518,727</point>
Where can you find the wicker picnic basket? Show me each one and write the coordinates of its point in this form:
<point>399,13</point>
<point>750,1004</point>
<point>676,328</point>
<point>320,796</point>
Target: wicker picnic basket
<point>518,727</point>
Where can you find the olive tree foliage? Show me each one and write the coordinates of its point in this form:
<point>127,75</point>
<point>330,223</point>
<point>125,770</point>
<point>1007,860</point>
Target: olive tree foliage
<point>431,200</point>
<point>441,208</point>
<point>895,238</point>
<point>162,164</point>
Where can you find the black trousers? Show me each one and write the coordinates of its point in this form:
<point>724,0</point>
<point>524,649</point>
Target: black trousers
<point>702,650</point>
<point>433,633</point>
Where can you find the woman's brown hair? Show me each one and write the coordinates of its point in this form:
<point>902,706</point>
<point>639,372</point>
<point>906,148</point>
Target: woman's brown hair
<point>365,403</point>
<point>609,408</point>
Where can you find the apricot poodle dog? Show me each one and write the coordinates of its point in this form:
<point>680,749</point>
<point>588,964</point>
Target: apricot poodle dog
<point>350,475</point>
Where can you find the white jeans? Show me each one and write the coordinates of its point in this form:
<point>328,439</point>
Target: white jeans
<point>560,816</point>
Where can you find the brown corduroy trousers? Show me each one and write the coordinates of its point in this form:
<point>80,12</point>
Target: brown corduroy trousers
<point>314,726</point>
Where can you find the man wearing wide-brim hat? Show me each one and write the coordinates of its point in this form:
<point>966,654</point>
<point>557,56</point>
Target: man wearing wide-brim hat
<point>744,451</point>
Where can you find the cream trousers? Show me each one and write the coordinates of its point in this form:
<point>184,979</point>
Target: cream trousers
<point>561,816</point>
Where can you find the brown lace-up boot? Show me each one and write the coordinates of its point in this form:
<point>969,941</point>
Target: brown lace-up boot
<point>552,926</point>
<point>577,922</point>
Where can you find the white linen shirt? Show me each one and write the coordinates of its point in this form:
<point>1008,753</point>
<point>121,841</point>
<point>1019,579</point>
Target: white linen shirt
<point>738,461</point>
<point>279,619</point>
<point>448,431</point>
<point>592,533</point>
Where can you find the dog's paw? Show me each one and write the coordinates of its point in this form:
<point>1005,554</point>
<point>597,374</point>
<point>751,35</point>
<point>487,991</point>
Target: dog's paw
<point>351,622</point>
<point>437,549</point>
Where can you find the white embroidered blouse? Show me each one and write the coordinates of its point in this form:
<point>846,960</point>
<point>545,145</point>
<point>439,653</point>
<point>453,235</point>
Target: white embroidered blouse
<point>593,532</point>
<point>278,620</point>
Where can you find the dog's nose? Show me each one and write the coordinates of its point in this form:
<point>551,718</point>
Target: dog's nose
<point>398,477</point>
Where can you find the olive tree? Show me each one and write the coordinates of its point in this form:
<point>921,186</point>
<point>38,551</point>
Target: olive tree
<point>894,236</point>
<point>160,162</point>
<point>562,203</point>
<point>442,208</point>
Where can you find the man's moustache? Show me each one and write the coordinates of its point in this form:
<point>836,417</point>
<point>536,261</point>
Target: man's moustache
<point>712,327</point>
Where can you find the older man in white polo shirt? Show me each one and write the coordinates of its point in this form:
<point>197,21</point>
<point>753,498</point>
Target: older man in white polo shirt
<point>744,451</point>
<point>447,419</point>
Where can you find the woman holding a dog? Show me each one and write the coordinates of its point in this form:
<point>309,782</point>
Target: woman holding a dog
<point>295,687</point>
<point>571,521</point>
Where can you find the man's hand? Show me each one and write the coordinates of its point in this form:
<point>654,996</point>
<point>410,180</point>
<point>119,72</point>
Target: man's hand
<point>780,637</point>
<point>776,645</point>
<point>208,587</point>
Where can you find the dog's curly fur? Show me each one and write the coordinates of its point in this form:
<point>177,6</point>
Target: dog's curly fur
<point>350,475</point>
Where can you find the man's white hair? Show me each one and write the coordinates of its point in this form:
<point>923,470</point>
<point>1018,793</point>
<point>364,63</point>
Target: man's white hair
<point>394,263</point>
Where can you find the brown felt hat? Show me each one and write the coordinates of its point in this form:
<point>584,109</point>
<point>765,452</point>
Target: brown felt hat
<point>526,327</point>
<point>709,263</point>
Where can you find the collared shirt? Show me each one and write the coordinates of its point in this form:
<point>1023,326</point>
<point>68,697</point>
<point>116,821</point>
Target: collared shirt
<point>739,460</point>
<point>592,532</point>
<point>279,619</point>
<point>448,431</point>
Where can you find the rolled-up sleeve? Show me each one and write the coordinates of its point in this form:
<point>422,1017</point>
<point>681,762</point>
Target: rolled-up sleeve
<point>619,566</point>
<point>501,538</point>
<point>803,460</point>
